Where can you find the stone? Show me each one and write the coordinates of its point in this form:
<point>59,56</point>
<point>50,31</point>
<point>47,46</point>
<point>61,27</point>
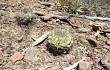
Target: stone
<point>84,30</point>
<point>107,42</point>
<point>45,18</point>
<point>85,65</point>
<point>108,35</point>
<point>106,62</point>
<point>0,49</point>
<point>31,54</point>
<point>93,42</point>
<point>16,56</point>
<point>0,13</point>
<point>12,15</point>
<point>18,65</point>
<point>106,30</point>
<point>107,47</point>
<point>97,25</point>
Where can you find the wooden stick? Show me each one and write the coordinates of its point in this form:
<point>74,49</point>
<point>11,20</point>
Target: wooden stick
<point>90,17</point>
<point>40,39</point>
<point>52,15</point>
<point>72,15</point>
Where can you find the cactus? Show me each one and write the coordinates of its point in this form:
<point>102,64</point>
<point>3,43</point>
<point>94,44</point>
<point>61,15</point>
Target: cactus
<point>25,16</point>
<point>59,41</point>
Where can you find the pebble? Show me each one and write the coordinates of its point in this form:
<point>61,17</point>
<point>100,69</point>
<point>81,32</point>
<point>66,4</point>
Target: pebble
<point>93,42</point>
<point>45,18</point>
<point>106,30</point>
<point>108,35</point>
<point>31,54</point>
<point>12,15</point>
<point>85,65</point>
<point>106,62</point>
<point>16,56</point>
<point>107,47</point>
<point>0,13</point>
<point>107,42</point>
<point>84,30</point>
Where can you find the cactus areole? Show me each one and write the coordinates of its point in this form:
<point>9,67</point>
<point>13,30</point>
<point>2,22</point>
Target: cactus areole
<point>59,41</point>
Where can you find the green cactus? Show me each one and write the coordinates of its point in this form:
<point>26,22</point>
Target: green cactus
<point>25,16</point>
<point>59,39</point>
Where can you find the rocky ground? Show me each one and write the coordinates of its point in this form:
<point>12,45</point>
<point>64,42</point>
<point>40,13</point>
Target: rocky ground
<point>17,52</point>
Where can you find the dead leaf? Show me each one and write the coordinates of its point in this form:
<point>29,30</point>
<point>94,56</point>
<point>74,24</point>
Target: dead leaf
<point>16,56</point>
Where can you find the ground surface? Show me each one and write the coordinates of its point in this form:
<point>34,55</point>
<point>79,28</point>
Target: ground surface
<point>14,38</point>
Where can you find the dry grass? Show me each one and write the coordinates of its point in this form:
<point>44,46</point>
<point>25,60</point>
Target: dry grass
<point>71,6</point>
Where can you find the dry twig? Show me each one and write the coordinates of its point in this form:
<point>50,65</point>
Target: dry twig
<point>52,15</point>
<point>40,39</point>
<point>71,67</point>
<point>91,17</point>
<point>72,15</point>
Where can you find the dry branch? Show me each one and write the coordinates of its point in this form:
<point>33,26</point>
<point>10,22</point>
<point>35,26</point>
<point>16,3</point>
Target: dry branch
<point>40,39</point>
<point>52,15</point>
<point>90,17</point>
<point>72,15</point>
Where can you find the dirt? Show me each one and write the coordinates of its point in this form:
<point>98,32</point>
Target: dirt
<point>16,38</point>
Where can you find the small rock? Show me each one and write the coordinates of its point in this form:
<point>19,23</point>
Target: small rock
<point>20,39</point>
<point>85,65</point>
<point>8,65</point>
<point>0,67</point>
<point>12,15</point>
<point>93,42</point>
<point>31,54</point>
<point>107,47</point>
<point>107,42</point>
<point>84,30</point>
<point>97,25</point>
<point>45,18</point>
<point>106,30</point>
<point>106,62</point>
<point>16,56</point>
<point>0,49</point>
<point>0,13</point>
<point>37,5</point>
<point>108,35</point>
<point>18,65</point>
